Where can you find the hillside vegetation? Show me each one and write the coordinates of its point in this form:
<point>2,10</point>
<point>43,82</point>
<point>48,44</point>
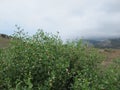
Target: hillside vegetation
<point>44,62</point>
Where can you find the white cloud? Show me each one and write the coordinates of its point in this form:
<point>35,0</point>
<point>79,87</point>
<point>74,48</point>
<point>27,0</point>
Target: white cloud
<point>72,18</point>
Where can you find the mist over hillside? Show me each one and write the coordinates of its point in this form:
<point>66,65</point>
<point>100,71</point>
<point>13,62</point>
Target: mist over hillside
<point>100,42</point>
<point>105,42</point>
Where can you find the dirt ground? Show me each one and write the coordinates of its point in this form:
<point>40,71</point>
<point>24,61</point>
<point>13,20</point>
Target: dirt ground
<point>4,42</point>
<point>110,54</point>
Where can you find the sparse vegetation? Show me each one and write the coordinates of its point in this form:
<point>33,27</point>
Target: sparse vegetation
<point>43,62</point>
<point>4,42</point>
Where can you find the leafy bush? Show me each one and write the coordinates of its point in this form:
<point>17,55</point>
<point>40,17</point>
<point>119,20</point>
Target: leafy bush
<point>44,62</point>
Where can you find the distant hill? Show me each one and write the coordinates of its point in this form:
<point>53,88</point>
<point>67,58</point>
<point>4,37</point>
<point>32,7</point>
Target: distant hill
<point>100,43</point>
<point>4,40</point>
<point>106,43</point>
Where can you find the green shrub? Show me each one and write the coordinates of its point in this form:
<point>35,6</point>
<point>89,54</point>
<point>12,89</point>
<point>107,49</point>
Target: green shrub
<point>44,62</point>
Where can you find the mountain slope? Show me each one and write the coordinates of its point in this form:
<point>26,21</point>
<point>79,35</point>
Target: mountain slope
<point>108,43</point>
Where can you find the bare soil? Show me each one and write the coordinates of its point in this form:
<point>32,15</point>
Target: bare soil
<point>110,54</point>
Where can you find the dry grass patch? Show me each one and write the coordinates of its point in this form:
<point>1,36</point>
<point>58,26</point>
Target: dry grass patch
<point>4,42</point>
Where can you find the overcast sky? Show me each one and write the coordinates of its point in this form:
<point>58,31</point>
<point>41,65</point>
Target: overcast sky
<point>72,18</point>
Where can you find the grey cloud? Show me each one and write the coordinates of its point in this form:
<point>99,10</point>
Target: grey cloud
<point>112,7</point>
<point>105,30</point>
<point>72,18</point>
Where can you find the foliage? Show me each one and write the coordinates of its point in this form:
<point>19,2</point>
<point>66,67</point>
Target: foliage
<point>44,62</point>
